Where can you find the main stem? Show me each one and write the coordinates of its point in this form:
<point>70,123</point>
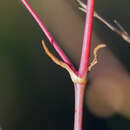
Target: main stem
<point>80,88</point>
<point>79,100</point>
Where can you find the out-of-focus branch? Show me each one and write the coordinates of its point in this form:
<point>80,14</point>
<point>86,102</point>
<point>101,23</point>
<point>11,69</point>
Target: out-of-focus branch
<point>120,30</point>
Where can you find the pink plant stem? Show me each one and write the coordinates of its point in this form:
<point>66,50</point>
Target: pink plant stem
<point>50,38</point>
<point>79,100</point>
<point>84,61</point>
<point>80,88</point>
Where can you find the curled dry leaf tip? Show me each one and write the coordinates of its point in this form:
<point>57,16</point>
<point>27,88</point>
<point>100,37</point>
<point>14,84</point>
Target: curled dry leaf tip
<point>75,78</point>
<point>95,60</point>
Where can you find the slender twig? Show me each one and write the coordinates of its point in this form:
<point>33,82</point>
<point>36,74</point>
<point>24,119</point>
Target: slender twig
<point>121,31</point>
<point>84,61</point>
<point>49,36</point>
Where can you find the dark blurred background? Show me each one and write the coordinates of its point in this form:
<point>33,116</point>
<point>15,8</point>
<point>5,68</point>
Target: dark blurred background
<point>36,94</point>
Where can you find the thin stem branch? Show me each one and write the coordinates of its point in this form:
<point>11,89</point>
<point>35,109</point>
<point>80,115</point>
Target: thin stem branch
<point>84,61</point>
<point>49,36</point>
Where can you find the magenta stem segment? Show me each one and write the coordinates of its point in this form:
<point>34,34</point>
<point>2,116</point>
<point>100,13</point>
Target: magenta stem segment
<point>79,99</point>
<point>84,61</point>
<point>50,38</point>
<point>79,88</point>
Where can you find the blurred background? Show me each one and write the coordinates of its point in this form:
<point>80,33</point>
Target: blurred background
<point>37,94</point>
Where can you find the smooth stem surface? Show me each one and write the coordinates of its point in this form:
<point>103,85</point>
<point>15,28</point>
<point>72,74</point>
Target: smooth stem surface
<point>84,61</point>
<point>79,100</point>
<point>79,88</point>
<point>50,38</point>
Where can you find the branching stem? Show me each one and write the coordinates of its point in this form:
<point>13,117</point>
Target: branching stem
<point>79,78</point>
